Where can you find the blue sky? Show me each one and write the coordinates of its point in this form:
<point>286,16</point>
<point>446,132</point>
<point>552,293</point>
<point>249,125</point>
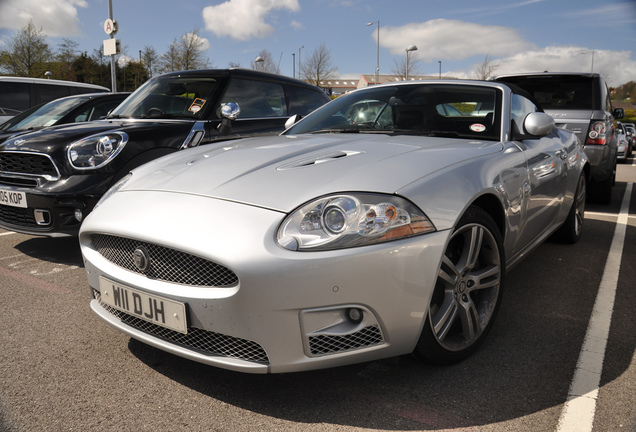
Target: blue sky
<point>517,35</point>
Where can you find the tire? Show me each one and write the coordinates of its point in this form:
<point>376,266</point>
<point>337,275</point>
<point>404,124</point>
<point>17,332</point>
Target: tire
<point>571,229</point>
<point>467,292</point>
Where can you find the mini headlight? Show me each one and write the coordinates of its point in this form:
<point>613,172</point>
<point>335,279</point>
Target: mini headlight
<point>351,220</point>
<point>97,150</point>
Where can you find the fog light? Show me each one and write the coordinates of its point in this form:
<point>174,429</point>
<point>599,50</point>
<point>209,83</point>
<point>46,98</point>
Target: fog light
<point>78,215</point>
<point>354,315</point>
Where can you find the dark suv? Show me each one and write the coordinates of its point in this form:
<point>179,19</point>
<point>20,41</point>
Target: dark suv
<point>580,102</point>
<point>51,179</point>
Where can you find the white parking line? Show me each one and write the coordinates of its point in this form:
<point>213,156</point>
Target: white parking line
<point>578,412</point>
<point>7,233</point>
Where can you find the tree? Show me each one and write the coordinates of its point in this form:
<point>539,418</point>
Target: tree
<point>27,54</point>
<point>399,67</point>
<point>65,57</point>
<point>184,54</point>
<point>318,67</point>
<point>150,59</point>
<point>267,65</point>
<point>486,69</point>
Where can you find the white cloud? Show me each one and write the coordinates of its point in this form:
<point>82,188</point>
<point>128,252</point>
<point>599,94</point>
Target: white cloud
<point>452,39</point>
<point>297,25</point>
<point>244,19</point>
<point>615,66</point>
<point>55,17</point>
<point>202,43</point>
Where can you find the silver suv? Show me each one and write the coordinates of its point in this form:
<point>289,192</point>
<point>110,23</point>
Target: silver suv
<point>580,102</point>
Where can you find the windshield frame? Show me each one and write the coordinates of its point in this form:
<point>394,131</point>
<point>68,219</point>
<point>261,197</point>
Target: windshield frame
<point>437,108</point>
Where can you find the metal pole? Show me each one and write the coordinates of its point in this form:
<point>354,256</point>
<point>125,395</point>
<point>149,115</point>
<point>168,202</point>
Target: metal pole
<point>377,67</point>
<point>299,69</point>
<point>440,68</point>
<point>406,73</point>
<point>113,69</point>
<point>293,65</point>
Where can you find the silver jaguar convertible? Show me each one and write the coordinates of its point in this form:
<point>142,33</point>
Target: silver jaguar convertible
<point>379,225</point>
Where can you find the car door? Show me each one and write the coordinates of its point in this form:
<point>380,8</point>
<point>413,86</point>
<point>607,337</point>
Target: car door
<point>546,182</point>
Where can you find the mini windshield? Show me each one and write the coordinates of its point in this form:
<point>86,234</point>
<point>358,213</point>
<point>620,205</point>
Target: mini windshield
<point>451,110</point>
<point>168,97</point>
<point>44,116</point>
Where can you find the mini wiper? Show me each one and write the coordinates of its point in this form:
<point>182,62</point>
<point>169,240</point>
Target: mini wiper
<point>116,117</point>
<point>167,116</point>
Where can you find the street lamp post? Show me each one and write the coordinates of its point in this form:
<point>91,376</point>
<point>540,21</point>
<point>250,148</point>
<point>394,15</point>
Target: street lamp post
<point>293,65</point>
<point>590,52</point>
<point>299,69</point>
<point>440,68</point>
<point>258,60</point>
<point>377,66</point>
<point>408,50</point>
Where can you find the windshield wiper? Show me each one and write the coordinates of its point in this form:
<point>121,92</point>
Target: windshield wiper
<point>167,116</point>
<point>116,117</point>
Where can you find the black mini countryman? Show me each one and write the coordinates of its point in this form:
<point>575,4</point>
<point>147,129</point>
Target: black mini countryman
<point>51,179</point>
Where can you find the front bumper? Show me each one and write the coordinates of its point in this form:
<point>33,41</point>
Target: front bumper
<point>288,310</point>
<point>52,207</point>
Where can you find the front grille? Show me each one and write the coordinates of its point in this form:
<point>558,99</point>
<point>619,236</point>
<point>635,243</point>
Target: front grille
<point>21,182</point>
<point>329,344</point>
<point>166,264</point>
<point>202,341</point>
<point>17,216</point>
<point>28,163</point>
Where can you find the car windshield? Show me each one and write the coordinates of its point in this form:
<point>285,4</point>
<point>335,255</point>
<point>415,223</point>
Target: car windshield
<point>44,116</point>
<point>168,97</point>
<point>448,110</point>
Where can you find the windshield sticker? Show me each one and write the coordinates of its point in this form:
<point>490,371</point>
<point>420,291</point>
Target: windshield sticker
<point>477,127</point>
<point>196,105</point>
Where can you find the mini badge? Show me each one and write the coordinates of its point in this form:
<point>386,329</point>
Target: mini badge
<point>477,127</point>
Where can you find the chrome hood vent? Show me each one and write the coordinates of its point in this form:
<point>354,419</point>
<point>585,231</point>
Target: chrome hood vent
<point>319,159</point>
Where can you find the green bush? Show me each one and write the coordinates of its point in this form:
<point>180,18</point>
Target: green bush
<point>630,116</point>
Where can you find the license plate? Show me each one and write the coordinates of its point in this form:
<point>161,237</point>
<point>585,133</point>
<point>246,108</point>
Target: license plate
<point>13,199</point>
<point>149,307</point>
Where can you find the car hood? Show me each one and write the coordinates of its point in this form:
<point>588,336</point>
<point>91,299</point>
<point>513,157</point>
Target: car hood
<point>282,172</point>
<point>55,138</point>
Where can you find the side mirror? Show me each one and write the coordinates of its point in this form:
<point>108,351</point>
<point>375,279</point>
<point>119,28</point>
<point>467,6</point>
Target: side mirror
<point>292,120</point>
<point>538,124</point>
<point>229,112</point>
<point>619,113</point>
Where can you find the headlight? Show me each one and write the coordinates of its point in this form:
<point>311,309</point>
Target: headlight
<point>96,151</point>
<point>351,220</point>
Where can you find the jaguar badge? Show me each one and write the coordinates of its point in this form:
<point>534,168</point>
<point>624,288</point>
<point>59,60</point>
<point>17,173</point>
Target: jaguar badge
<point>142,258</point>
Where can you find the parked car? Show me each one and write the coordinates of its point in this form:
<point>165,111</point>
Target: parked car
<point>624,143</point>
<point>630,129</point>
<point>580,102</point>
<point>340,241</point>
<point>70,109</point>
<point>57,175</point>
<point>18,94</point>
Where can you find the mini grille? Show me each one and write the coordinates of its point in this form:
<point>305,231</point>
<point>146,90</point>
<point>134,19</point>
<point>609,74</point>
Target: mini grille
<point>203,341</point>
<point>27,163</point>
<point>329,344</point>
<point>22,182</point>
<point>17,216</point>
<point>166,264</point>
